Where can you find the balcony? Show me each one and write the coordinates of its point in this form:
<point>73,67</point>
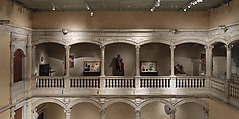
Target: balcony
<point>159,86</point>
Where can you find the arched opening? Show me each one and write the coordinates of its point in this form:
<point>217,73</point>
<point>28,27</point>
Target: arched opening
<point>18,65</point>
<point>191,110</point>
<point>219,56</point>
<point>235,62</point>
<point>50,111</point>
<point>154,110</point>
<point>120,110</point>
<point>155,59</point>
<point>86,59</point>
<point>50,59</point>
<point>85,111</point>
<point>189,59</point>
<point>126,52</point>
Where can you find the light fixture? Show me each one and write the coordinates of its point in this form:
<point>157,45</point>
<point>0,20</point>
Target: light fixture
<point>156,4</point>
<point>152,9</point>
<point>87,6</point>
<point>65,31</point>
<point>191,4</point>
<point>91,13</point>
<point>53,8</point>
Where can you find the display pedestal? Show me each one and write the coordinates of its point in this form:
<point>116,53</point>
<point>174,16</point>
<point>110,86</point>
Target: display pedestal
<point>149,73</point>
<point>118,73</point>
<point>91,73</point>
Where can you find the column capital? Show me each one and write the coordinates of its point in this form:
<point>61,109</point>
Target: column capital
<point>208,47</point>
<point>137,112</point>
<point>172,47</point>
<point>67,47</point>
<point>67,111</point>
<point>229,47</point>
<point>102,47</point>
<point>137,47</point>
<point>102,111</point>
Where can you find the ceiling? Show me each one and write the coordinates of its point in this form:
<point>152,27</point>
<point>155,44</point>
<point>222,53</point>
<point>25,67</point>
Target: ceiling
<point>118,5</point>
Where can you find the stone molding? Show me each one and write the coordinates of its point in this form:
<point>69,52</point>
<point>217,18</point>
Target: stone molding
<point>173,103</point>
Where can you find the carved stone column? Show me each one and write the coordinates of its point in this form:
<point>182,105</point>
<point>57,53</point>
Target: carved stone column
<point>137,114</point>
<point>102,114</point>
<point>172,48</point>
<point>209,60</point>
<point>68,113</point>
<point>102,72</point>
<point>229,62</point>
<point>33,60</point>
<point>137,61</point>
<point>67,73</point>
<point>172,114</point>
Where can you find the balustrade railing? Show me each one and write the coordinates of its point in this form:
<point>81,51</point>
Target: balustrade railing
<point>155,82</point>
<point>235,78</point>
<point>144,82</point>
<point>119,82</point>
<point>234,90</point>
<point>218,84</point>
<point>190,82</point>
<point>85,82</point>
<point>49,82</point>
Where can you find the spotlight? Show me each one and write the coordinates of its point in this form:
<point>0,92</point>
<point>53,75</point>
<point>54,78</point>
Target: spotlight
<point>65,31</point>
<point>152,9</point>
<point>184,9</point>
<point>91,13</point>
<point>54,8</point>
<point>189,6</point>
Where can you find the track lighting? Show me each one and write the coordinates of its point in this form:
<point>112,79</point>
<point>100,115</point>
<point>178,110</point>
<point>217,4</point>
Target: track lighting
<point>87,6</point>
<point>156,4</point>
<point>91,13</point>
<point>53,8</point>
<point>152,9</point>
<point>191,4</point>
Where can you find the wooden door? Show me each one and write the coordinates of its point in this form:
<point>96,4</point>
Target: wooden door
<point>17,66</point>
<point>18,114</point>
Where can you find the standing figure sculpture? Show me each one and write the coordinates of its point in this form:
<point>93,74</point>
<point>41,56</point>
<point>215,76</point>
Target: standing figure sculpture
<point>119,66</point>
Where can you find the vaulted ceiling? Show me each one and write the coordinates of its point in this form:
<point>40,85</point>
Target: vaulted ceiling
<point>118,5</point>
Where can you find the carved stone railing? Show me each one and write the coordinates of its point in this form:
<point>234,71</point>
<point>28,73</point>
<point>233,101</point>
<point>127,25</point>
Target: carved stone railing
<point>218,85</point>
<point>190,82</point>
<point>155,82</point>
<point>84,82</point>
<point>119,82</point>
<point>50,82</point>
<point>235,78</point>
<point>234,90</point>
